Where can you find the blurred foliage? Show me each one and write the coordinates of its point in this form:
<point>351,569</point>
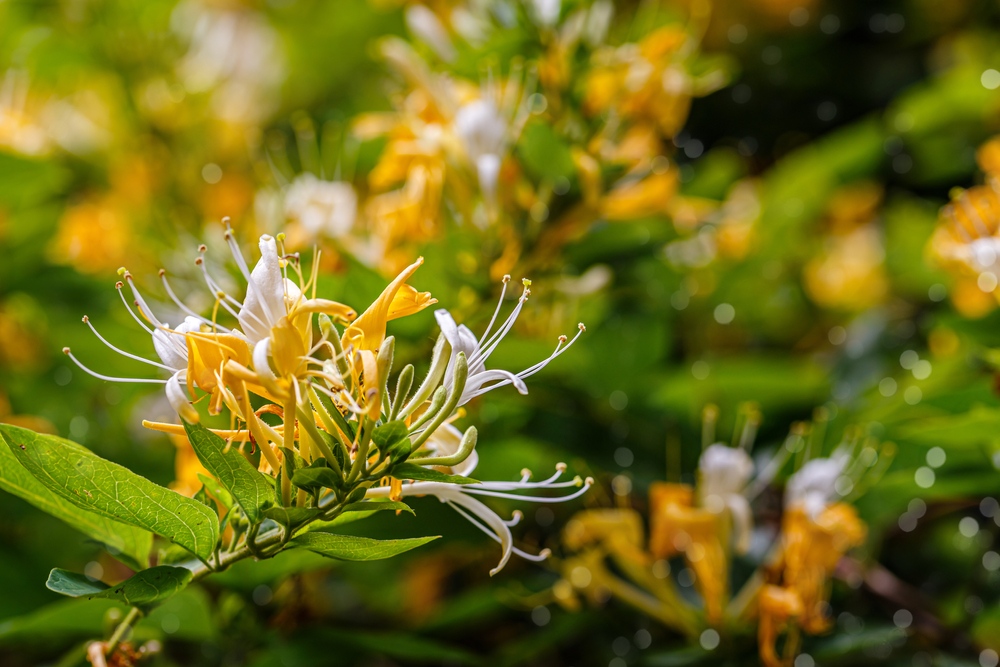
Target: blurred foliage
<point>790,263</point>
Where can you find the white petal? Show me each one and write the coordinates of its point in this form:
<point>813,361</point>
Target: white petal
<point>264,304</point>
<point>178,398</point>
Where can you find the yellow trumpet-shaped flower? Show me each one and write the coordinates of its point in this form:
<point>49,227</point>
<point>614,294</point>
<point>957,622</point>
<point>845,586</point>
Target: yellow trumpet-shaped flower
<point>779,608</point>
<point>677,526</point>
<point>397,300</point>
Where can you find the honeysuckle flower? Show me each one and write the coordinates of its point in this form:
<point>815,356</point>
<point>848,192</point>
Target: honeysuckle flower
<point>814,486</point>
<point>427,27</point>
<point>323,208</point>
<point>170,347</point>
<point>477,351</point>
<point>233,52</point>
<point>724,473</point>
<point>545,12</point>
<point>967,243</point>
<point>399,299</point>
<point>464,499</point>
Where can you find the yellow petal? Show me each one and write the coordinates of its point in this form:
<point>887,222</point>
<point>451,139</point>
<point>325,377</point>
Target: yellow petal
<point>409,301</point>
<point>368,331</point>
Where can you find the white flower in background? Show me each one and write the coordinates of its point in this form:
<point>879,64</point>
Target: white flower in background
<point>323,208</point>
<point>234,52</point>
<point>427,27</point>
<point>464,499</point>
<point>724,474</point>
<point>545,12</point>
<point>461,339</point>
<point>484,133</point>
<point>814,486</point>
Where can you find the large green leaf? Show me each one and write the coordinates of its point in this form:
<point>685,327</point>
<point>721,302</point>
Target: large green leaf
<point>251,489</point>
<point>98,485</point>
<point>130,543</point>
<point>141,590</point>
<point>350,547</point>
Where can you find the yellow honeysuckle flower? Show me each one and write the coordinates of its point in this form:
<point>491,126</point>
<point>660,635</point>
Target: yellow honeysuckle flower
<point>779,608</point>
<point>967,244</point>
<point>678,527</point>
<point>368,331</point>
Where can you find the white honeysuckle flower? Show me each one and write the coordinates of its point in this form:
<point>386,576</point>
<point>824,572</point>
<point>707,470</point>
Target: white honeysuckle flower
<point>324,208</point>
<point>724,474</point>
<point>461,339</point>
<point>446,441</point>
<point>463,499</point>
<point>267,291</point>
<point>169,344</point>
<point>485,133</point>
<point>546,12</point>
<point>814,486</point>
<point>427,27</point>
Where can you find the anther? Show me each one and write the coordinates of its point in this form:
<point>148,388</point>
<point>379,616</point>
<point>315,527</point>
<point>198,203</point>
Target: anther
<point>563,338</point>
<point>525,472</point>
<point>119,285</point>
<point>545,553</point>
<point>581,326</point>
<point>122,271</point>
<point>506,279</point>
<point>525,282</point>
<point>589,481</point>
<point>225,220</point>
<point>561,467</point>
<point>66,350</point>
<point>86,318</point>
<point>202,248</point>
<point>162,272</point>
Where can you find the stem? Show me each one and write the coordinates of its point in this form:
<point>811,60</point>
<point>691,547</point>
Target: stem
<point>133,615</point>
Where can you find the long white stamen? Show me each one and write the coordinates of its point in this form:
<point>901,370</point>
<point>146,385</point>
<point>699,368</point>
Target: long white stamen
<point>183,307</point>
<point>141,303</point>
<point>100,376</point>
<point>213,284</point>
<point>483,353</point>
<point>535,558</point>
<point>86,320</point>
<point>531,499</point>
<point>528,372</point>
<point>503,292</point>
<point>118,286</point>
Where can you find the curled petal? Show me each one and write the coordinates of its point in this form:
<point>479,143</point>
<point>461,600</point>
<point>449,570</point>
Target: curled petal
<point>178,398</point>
<point>368,331</point>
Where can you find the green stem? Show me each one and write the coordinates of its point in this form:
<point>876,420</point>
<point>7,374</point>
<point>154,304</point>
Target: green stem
<point>119,634</point>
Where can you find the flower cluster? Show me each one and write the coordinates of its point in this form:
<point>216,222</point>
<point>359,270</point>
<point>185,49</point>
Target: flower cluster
<point>696,530</point>
<point>306,382</point>
<point>967,239</point>
<point>529,155</point>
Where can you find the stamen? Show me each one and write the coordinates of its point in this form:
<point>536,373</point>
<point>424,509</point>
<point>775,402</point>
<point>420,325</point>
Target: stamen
<point>86,320</point>
<point>118,286</point>
<point>183,307</point>
<point>503,292</point>
<point>144,308</point>
<point>99,376</point>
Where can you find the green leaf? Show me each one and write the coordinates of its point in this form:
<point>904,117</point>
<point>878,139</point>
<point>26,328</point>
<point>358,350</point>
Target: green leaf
<point>419,473</point>
<point>393,439</point>
<point>217,490</point>
<point>98,485</point>
<point>316,476</point>
<point>251,488</point>
<point>129,543</point>
<point>292,516</point>
<point>372,505</point>
<point>350,547</point>
<point>142,589</point>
